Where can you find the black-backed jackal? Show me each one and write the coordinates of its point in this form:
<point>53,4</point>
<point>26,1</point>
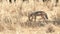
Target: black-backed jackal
<point>37,13</point>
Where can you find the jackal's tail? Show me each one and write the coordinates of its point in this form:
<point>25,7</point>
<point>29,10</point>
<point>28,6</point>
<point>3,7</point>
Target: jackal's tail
<point>46,16</point>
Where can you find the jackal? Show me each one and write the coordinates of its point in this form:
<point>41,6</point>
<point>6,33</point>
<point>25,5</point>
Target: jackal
<point>37,13</point>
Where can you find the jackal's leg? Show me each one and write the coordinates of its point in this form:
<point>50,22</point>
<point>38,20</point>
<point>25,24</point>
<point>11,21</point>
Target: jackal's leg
<point>34,18</point>
<point>46,17</point>
<point>43,19</point>
<point>29,18</point>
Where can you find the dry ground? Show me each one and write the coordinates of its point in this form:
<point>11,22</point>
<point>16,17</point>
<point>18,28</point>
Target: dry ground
<point>13,18</point>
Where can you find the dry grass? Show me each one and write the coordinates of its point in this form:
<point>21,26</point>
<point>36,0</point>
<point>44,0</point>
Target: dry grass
<point>14,19</point>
